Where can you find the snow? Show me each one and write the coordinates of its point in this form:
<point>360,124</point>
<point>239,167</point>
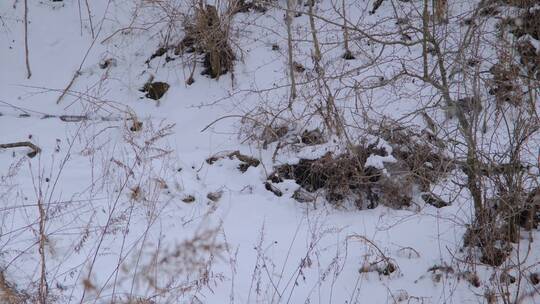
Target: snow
<point>116,223</point>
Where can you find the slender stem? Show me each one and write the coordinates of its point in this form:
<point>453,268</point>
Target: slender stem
<point>288,21</point>
<point>425,19</point>
<point>28,71</point>
<point>345,30</point>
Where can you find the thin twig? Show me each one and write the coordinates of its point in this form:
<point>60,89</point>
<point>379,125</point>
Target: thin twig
<point>78,72</point>
<point>232,116</point>
<point>90,19</point>
<point>28,71</point>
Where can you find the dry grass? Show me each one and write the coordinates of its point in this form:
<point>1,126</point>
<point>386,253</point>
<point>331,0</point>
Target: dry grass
<point>419,162</point>
<point>9,293</point>
<point>420,154</point>
<point>208,32</point>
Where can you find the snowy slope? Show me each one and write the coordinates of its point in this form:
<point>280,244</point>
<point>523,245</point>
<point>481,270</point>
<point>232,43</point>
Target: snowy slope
<point>118,227</point>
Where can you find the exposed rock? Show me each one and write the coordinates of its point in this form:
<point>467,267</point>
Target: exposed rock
<point>246,161</point>
<point>158,53</point>
<point>299,68</point>
<point>155,90</point>
<point>270,187</point>
<point>313,137</point>
<point>348,55</point>
<point>214,196</point>
<point>106,63</point>
<point>136,126</point>
<point>434,200</point>
<point>188,199</point>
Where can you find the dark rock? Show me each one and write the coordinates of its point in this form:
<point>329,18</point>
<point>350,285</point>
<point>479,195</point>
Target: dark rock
<point>388,269</point>
<point>299,68</point>
<point>214,196</point>
<point>106,63</point>
<point>270,187</point>
<point>155,90</point>
<point>313,137</point>
<point>434,200</point>
<point>136,126</point>
<point>246,161</point>
<point>188,199</point>
<point>348,55</point>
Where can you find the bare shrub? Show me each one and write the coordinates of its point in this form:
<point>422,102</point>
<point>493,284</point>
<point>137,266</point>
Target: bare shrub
<point>178,271</point>
<point>351,176</point>
<point>341,176</point>
<point>208,32</point>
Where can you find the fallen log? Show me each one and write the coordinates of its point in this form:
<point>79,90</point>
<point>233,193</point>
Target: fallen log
<point>34,152</point>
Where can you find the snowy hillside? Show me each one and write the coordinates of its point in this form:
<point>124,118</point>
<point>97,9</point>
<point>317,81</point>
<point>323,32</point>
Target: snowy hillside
<point>269,151</point>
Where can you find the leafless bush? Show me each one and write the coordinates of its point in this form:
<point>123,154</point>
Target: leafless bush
<point>350,176</point>
<point>169,272</point>
<point>208,32</point>
<point>478,92</point>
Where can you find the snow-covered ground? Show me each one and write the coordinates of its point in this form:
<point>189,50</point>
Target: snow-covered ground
<point>126,214</point>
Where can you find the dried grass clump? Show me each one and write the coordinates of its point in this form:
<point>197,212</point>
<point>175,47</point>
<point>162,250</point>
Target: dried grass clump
<point>245,161</point>
<point>419,161</point>
<point>490,240</point>
<point>346,176</point>
<point>528,23</point>
<point>176,272</point>
<point>529,57</point>
<point>419,154</point>
<point>529,215</point>
<point>499,225</point>
<point>504,84</point>
<point>339,176</point>
<point>208,33</point>
<point>521,3</point>
<point>9,294</point>
<point>509,78</point>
